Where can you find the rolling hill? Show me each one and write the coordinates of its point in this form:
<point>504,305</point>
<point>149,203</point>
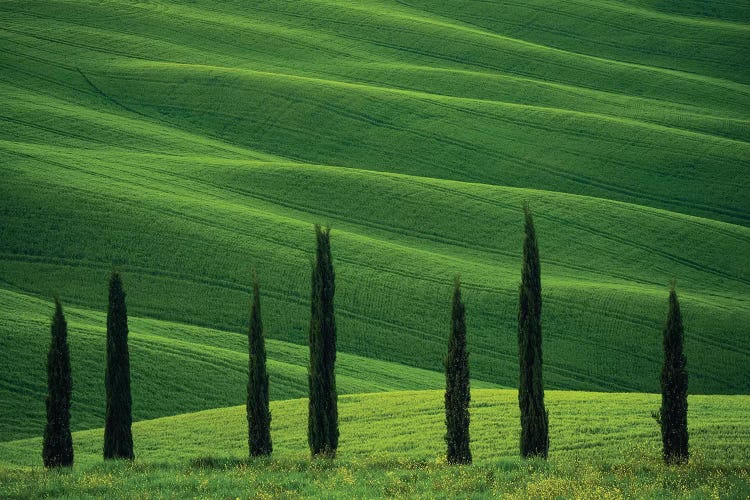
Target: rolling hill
<point>605,446</point>
<point>188,143</point>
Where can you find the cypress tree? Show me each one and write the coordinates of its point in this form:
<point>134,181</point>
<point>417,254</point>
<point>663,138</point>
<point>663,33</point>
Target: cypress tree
<point>457,393</point>
<point>58,443</point>
<point>118,439</point>
<point>674,385</point>
<point>534,417</point>
<point>322,430</point>
<point>258,413</point>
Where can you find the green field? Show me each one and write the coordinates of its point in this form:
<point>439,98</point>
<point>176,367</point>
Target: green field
<point>188,143</point>
<point>604,445</point>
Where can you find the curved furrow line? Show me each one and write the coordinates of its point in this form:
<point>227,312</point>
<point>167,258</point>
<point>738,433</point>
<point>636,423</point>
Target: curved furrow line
<point>69,133</point>
<point>341,111</point>
<point>631,9</point>
<point>228,148</point>
<point>292,35</point>
<point>650,121</point>
<point>686,134</point>
<point>285,296</point>
<point>579,179</point>
<point>514,159</point>
<point>196,353</point>
<point>281,295</point>
<point>416,234</point>
<point>420,235</point>
<point>630,351</point>
<point>225,148</point>
<point>620,386</point>
<point>69,43</point>
<point>623,241</point>
<point>55,131</point>
<point>602,20</point>
<point>112,32</point>
<point>603,73</point>
<point>678,18</point>
<point>544,48</point>
<point>723,12</point>
<point>702,222</point>
<point>26,56</point>
<point>23,386</point>
<point>630,28</point>
<point>486,348</point>
<point>573,91</point>
<point>128,201</point>
<point>551,109</point>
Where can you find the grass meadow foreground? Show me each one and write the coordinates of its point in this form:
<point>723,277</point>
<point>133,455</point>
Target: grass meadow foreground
<point>602,446</point>
<point>190,144</point>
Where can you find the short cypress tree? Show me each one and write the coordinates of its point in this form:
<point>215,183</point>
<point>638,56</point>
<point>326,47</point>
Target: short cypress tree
<point>118,439</point>
<point>457,395</point>
<point>323,427</point>
<point>258,413</point>
<point>58,443</point>
<point>534,418</point>
<point>674,387</point>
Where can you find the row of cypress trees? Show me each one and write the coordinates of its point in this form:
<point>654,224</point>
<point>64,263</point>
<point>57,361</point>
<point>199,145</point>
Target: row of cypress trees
<point>118,440</point>
<point>323,433</point>
<point>534,438</point>
<point>322,421</point>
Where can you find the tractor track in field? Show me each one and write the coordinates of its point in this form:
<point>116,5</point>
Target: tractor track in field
<point>485,34</point>
<point>629,28</point>
<point>183,91</point>
<point>484,348</point>
<point>415,234</point>
<point>488,153</point>
<point>464,145</point>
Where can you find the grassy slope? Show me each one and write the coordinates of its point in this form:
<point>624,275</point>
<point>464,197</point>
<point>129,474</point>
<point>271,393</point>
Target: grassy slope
<point>165,357</point>
<point>599,443</point>
<point>188,143</point>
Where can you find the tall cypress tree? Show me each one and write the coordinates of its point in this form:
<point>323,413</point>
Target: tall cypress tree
<point>58,443</point>
<point>457,395</point>
<point>323,427</point>
<point>118,439</point>
<point>674,387</point>
<point>534,418</point>
<point>258,413</point>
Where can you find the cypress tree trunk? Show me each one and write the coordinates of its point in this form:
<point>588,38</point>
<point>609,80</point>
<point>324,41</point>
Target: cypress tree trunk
<point>674,386</point>
<point>258,413</point>
<point>457,395</point>
<point>323,430</point>
<point>534,418</point>
<point>118,440</point>
<point>58,443</point>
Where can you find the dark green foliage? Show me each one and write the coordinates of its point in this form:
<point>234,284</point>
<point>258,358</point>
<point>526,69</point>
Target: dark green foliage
<point>457,393</point>
<point>674,387</point>
<point>258,412</point>
<point>118,439</point>
<point>58,443</point>
<point>323,426</point>
<point>534,418</point>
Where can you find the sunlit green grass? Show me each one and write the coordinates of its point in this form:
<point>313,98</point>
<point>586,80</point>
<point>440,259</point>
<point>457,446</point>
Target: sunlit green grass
<point>175,368</point>
<point>188,144</point>
<point>391,444</point>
